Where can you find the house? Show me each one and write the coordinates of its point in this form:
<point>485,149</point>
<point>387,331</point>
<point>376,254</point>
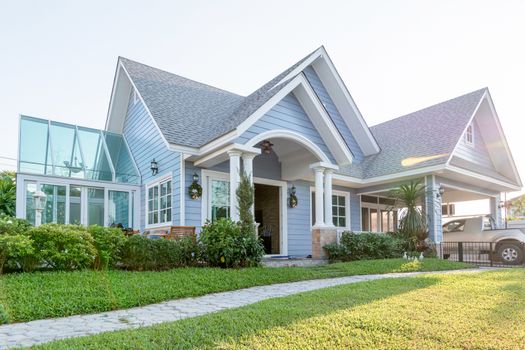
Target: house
<point>300,135</point>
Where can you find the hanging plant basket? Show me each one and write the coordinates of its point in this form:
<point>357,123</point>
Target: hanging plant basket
<point>293,200</point>
<point>195,190</point>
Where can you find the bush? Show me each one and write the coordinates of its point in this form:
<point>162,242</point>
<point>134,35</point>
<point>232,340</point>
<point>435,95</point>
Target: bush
<point>225,244</point>
<point>16,248</point>
<point>360,246</point>
<point>64,247</point>
<point>142,253</point>
<point>13,226</point>
<point>108,243</point>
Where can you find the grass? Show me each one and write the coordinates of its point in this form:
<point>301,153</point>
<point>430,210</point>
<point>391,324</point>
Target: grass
<point>460,311</point>
<point>31,296</point>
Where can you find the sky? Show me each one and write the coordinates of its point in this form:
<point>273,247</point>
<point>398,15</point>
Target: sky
<point>58,58</point>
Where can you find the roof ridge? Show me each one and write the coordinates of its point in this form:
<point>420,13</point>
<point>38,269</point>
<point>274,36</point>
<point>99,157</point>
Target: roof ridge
<point>177,75</point>
<point>431,106</point>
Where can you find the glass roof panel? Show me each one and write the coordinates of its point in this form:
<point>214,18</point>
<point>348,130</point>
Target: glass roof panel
<point>52,148</point>
<point>66,152</point>
<point>96,160</point>
<point>34,153</point>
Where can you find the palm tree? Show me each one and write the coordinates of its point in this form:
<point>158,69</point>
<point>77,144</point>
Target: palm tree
<point>7,193</point>
<point>409,199</point>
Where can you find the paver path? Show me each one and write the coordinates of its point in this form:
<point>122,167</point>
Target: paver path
<point>42,331</point>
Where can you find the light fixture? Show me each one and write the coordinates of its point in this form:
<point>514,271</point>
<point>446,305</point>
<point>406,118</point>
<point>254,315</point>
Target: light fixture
<point>501,204</point>
<point>195,177</point>
<point>293,201</point>
<point>266,146</point>
<point>39,203</point>
<point>75,167</point>
<point>440,193</point>
<point>154,167</point>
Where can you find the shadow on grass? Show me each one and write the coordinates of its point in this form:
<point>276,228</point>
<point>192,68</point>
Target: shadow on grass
<point>213,329</point>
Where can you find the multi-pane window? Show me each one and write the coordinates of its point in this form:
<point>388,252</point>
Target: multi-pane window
<point>159,203</point>
<point>469,135</point>
<point>220,199</point>
<point>339,211</point>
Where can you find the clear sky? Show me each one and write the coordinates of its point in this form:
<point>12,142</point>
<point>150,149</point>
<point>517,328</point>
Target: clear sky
<point>58,58</point>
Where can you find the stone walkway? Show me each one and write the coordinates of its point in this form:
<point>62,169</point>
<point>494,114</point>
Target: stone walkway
<point>42,331</point>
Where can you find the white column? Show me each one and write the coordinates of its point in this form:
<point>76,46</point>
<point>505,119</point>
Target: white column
<point>328,197</point>
<point>247,161</point>
<point>319,209</point>
<point>235,165</point>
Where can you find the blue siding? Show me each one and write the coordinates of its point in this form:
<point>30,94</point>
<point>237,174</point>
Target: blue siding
<point>476,153</point>
<point>193,207</point>
<point>334,114</point>
<point>433,210</point>
<point>145,143</point>
<point>299,228</point>
<point>288,115</point>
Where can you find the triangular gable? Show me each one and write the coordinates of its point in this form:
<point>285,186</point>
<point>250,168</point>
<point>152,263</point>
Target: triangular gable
<point>310,103</point>
<point>489,141</point>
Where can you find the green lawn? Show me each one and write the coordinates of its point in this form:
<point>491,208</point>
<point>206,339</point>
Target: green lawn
<point>25,297</point>
<point>460,311</point>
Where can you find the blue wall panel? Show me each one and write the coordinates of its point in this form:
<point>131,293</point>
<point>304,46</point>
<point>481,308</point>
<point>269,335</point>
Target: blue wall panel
<point>334,114</point>
<point>288,115</point>
<point>146,143</point>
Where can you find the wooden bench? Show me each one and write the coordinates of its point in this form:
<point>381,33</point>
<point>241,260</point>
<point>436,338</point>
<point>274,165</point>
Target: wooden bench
<point>178,232</point>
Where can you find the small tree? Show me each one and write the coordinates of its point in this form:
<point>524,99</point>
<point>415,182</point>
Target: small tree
<point>245,193</point>
<point>7,193</point>
<point>413,222</point>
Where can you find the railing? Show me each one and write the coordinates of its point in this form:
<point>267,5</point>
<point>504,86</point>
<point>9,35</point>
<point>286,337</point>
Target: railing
<point>485,253</point>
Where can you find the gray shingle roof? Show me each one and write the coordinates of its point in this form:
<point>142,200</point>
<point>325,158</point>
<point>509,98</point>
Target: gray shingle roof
<point>190,113</point>
<point>431,132</point>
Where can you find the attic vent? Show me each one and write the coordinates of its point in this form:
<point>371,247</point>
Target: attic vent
<point>135,97</point>
<point>469,135</point>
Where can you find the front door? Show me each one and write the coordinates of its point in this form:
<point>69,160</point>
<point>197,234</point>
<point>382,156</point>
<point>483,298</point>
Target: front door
<point>267,216</point>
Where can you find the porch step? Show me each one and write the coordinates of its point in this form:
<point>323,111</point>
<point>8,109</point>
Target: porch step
<point>292,262</point>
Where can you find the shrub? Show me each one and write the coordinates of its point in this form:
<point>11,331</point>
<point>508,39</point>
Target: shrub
<point>64,247</point>
<point>108,243</point>
<point>225,244</point>
<point>13,226</point>
<point>16,248</point>
<point>362,246</point>
<point>142,253</point>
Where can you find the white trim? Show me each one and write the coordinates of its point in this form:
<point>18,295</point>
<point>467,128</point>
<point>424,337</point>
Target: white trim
<point>390,177</point>
<point>221,155</point>
<point>482,177</point>
<point>153,183</point>
<point>182,190</point>
<point>294,136</point>
<point>347,208</point>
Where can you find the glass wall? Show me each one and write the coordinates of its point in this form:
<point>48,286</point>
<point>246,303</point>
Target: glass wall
<point>58,149</point>
<point>80,205</point>
<point>95,204</point>
<point>119,205</point>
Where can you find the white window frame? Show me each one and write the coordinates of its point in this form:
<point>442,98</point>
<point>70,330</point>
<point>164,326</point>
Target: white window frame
<point>378,207</point>
<point>469,135</point>
<point>347,208</point>
<point>156,183</point>
<point>207,177</point>
<point>133,190</point>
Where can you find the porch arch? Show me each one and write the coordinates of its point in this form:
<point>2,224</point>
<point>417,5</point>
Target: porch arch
<point>293,136</point>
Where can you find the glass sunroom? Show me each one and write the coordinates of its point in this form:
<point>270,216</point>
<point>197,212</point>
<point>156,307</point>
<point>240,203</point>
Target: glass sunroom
<point>88,176</point>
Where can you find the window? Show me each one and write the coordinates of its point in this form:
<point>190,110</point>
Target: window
<point>378,214</point>
<point>159,203</point>
<point>469,135</point>
<point>339,211</point>
<point>118,210</point>
<point>95,202</point>
<point>454,226</point>
<point>55,209</point>
<point>220,199</point>
<point>448,209</point>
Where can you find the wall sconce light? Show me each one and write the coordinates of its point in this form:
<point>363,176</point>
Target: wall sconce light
<point>501,204</point>
<point>154,167</point>
<point>195,177</point>
<point>195,190</point>
<point>440,193</point>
